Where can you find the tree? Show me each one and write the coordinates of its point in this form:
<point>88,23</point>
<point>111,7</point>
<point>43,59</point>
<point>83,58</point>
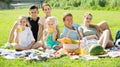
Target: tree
<point>6,1</point>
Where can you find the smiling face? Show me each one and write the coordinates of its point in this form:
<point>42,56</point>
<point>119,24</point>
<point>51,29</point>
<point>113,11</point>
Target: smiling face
<point>34,13</point>
<point>68,21</point>
<point>50,24</point>
<point>47,10</point>
<point>87,19</point>
<point>22,21</point>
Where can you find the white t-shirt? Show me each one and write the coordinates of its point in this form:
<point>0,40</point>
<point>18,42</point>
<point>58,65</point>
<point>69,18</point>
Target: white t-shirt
<point>25,37</point>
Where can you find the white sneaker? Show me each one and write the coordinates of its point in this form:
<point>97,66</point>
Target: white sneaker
<point>6,45</point>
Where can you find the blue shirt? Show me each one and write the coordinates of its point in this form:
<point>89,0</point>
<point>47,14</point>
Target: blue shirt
<point>72,34</point>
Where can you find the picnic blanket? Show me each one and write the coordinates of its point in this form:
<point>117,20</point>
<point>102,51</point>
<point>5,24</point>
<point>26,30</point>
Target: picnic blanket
<point>38,54</point>
<point>32,54</point>
<point>114,51</point>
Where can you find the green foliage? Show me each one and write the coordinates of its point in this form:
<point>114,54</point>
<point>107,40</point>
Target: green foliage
<point>8,17</point>
<point>64,3</point>
<point>7,1</point>
<point>114,3</point>
<point>86,4</point>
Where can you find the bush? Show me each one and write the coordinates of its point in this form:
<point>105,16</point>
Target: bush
<point>6,1</point>
<point>86,4</point>
<point>115,3</point>
<point>102,3</point>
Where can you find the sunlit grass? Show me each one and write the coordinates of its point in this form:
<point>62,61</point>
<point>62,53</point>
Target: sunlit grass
<point>8,17</point>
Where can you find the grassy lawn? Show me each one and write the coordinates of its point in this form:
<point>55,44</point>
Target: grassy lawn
<point>7,18</point>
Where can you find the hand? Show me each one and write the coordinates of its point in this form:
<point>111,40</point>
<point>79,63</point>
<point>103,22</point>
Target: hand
<point>50,30</point>
<point>55,31</point>
<point>95,37</point>
<point>98,28</point>
<point>19,28</point>
<point>92,37</point>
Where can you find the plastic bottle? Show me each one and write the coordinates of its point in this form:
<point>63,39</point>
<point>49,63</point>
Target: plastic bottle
<point>83,47</point>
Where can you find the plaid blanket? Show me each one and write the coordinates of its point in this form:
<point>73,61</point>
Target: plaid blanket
<point>32,54</point>
<point>114,51</point>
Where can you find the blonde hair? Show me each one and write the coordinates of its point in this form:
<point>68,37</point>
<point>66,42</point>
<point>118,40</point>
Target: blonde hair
<point>21,18</point>
<point>87,14</point>
<point>52,19</point>
<point>45,4</point>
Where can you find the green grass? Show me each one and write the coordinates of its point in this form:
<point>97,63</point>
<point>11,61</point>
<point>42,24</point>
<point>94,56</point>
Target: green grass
<point>7,18</point>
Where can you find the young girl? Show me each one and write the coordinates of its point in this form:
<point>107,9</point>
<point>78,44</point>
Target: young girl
<point>23,35</point>
<point>91,35</point>
<point>50,33</point>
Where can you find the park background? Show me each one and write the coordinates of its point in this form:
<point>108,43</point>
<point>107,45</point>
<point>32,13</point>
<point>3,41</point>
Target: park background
<point>108,10</point>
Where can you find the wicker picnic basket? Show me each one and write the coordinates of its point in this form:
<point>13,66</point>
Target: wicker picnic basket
<point>70,47</point>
